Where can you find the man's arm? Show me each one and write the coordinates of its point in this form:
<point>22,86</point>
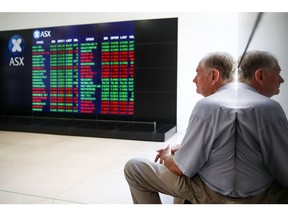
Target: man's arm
<point>167,158</point>
<point>170,164</point>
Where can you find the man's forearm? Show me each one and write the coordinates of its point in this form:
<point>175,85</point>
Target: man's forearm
<point>170,164</point>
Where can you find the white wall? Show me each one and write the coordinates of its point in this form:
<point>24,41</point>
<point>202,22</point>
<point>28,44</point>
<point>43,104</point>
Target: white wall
<point>198,34</point>
<point>271,35</point>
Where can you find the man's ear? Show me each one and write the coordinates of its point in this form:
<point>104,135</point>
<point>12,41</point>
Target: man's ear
<point>215,75</point>
<point>259,76</point>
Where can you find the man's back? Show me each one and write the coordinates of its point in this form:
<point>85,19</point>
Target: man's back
<point>235,158</point>
<point>262,140</point>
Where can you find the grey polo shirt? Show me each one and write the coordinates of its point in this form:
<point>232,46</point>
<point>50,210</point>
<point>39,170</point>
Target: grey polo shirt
<point>237,141</point>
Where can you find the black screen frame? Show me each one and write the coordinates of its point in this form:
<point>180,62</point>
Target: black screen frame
<point>156,45</point>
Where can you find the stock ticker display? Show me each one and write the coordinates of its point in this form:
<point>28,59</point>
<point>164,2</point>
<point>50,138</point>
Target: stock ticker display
<point>83,72</point>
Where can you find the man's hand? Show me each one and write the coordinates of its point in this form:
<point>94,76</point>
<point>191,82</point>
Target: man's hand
<point>166,154</point>
<point>162,153</point>
<point>174,149</point>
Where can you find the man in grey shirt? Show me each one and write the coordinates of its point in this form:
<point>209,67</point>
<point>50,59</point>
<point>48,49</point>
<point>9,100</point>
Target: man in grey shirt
<point>235,149</point>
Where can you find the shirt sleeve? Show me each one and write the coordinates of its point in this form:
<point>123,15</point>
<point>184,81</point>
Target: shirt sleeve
<point>195,146</point>
<point>275,149</point>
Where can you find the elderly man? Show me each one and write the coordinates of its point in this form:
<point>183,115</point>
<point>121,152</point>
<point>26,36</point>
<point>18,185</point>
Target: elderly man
<point>235,148</point>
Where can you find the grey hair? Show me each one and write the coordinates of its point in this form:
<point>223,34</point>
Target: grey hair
<point>222,61</point>
<point>254,60</point>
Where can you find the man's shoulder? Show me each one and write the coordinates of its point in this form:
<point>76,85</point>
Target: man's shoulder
<point>219,99</point>
<point>206,107</point>
<point>268,105</point>
<point>209,101</point>
<point>259,101</point>
<point>261,106</point>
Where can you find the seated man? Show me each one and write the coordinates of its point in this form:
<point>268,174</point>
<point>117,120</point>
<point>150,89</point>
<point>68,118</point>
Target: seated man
<point>235,148</point>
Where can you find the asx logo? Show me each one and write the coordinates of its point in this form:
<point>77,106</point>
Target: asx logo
<point>39,34</point>
<point>16,46</point>
<point>16,61</point>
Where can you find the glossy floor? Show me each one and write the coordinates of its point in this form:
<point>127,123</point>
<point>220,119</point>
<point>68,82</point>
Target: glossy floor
<point>54,169</point>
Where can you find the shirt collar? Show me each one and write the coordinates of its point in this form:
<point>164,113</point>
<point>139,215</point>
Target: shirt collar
<point>245,86</point>
<point>227,85</point>
<point>236,85</point>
